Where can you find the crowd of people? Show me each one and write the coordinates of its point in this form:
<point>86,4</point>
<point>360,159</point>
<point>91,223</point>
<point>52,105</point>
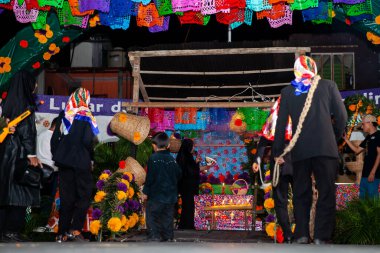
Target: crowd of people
<point>63,153</point>
<point>66,151</point>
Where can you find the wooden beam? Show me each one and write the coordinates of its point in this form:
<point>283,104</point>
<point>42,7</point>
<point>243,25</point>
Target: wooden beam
<point>136,78</point>
<point>197,104</point>
<point>143,90</point>
<point>205,99</point>
<point>214,73</point>
<point>216,86</point>
<point>223,51</point>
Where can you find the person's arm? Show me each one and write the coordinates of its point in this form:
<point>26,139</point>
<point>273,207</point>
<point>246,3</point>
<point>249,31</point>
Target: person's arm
<point>263,143</point>
<point>27,132</point>
<point>372,174</point>
<point>338,111</point>
<point>357,149</point>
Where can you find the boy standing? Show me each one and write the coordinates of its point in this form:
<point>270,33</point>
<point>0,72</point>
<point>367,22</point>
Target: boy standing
<point>369,184</point>
<point>161,190</point>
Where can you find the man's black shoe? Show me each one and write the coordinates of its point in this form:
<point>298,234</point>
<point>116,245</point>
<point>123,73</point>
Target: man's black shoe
<point>302,240</point>
<point>319,242</point>
<point>288,240</point>
<point>168,240</point>
<point>14,237</point>
<point>153,239</point>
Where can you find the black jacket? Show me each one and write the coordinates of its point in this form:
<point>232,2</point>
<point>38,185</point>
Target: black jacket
<point>76,148</point>
<point>162,178</point>
<point>318,136</point>
<point>15,147</point>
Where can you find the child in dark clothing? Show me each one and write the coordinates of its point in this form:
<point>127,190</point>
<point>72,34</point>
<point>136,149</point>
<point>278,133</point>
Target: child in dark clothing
<point>161,190</point>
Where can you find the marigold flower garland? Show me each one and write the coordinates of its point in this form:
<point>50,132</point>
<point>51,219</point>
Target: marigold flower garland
<point>117,208</point>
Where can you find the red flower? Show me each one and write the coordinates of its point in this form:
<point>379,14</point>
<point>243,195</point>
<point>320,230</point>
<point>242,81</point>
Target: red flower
<point>36,65</point>
<point>122,164</point>
<point>66,39</point>
<point>236,176</point>
<point>348,22</point>
<point>238,122</point>
<point>24,43</point>
<point>221,178</point>
<point>4,95</point>
<point>279,235</point>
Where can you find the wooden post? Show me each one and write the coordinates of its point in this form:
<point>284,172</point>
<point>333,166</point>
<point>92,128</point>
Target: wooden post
<point>136,79</point>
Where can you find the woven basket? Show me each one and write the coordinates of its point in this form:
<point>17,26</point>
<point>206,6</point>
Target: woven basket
<point>133,166</point>
<point>175,145</point>
<point>131,127</point>
<point>242,190</point>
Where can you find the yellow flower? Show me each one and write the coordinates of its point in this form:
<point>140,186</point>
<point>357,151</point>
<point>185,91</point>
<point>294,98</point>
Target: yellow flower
<point>104,176</point>
<point>99,196</point>
<point>47,56</point>
<point>132,221</point>
<point>136,136</point>
<point>7,60</point>
<point>131,192</point>
<point>49,34</point>
<point>52,46</point>
<point>124,220</point>
<point>268,189</point>
<point>269,203</point>
<point>121,195</point>
<point>125,182</point>
<point>142,220</point>
<point>125,227</point>
<point>122,117</point>
<point>267,173</point>
<point>42,39</point>
<point>95,226</point>
<point>135,216</point>
<point>114,224</point>
<point>269,228</point>
<point>130,176</point>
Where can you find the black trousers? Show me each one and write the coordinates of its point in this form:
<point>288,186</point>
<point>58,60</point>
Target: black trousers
<point>159,220</point>
<point>280,196</point>
<point>187,215</point>
<point>12,219</point>
<point>325,172</point>
<point>75,189</point>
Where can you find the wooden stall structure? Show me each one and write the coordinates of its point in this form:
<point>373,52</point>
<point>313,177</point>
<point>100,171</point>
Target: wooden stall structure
<point>200,100</point>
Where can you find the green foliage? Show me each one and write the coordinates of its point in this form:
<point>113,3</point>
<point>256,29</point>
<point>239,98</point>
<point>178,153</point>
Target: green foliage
<point>359,223</point>
<point>354,100</point>
<point>3,123</point>
<point>108,155</point>
<point>144,150</point>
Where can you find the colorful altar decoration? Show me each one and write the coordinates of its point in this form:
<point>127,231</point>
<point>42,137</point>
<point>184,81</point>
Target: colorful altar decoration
<point>69,18</point>
<point>228,219</point>
<point>155,15</point>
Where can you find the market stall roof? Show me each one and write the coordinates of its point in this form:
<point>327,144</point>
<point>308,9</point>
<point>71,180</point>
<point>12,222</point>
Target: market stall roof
<point>209,75</point>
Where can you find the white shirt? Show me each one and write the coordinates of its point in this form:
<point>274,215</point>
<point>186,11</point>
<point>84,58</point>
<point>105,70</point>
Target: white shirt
<point>43,148</point>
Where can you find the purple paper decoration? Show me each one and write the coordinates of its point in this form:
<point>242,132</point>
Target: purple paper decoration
<point>100,5</point>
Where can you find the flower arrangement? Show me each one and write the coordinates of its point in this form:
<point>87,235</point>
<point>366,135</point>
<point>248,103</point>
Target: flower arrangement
<point>53,49</point>
<point>5,65</point>
<point>117,208</point>
<point>43,34</point>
